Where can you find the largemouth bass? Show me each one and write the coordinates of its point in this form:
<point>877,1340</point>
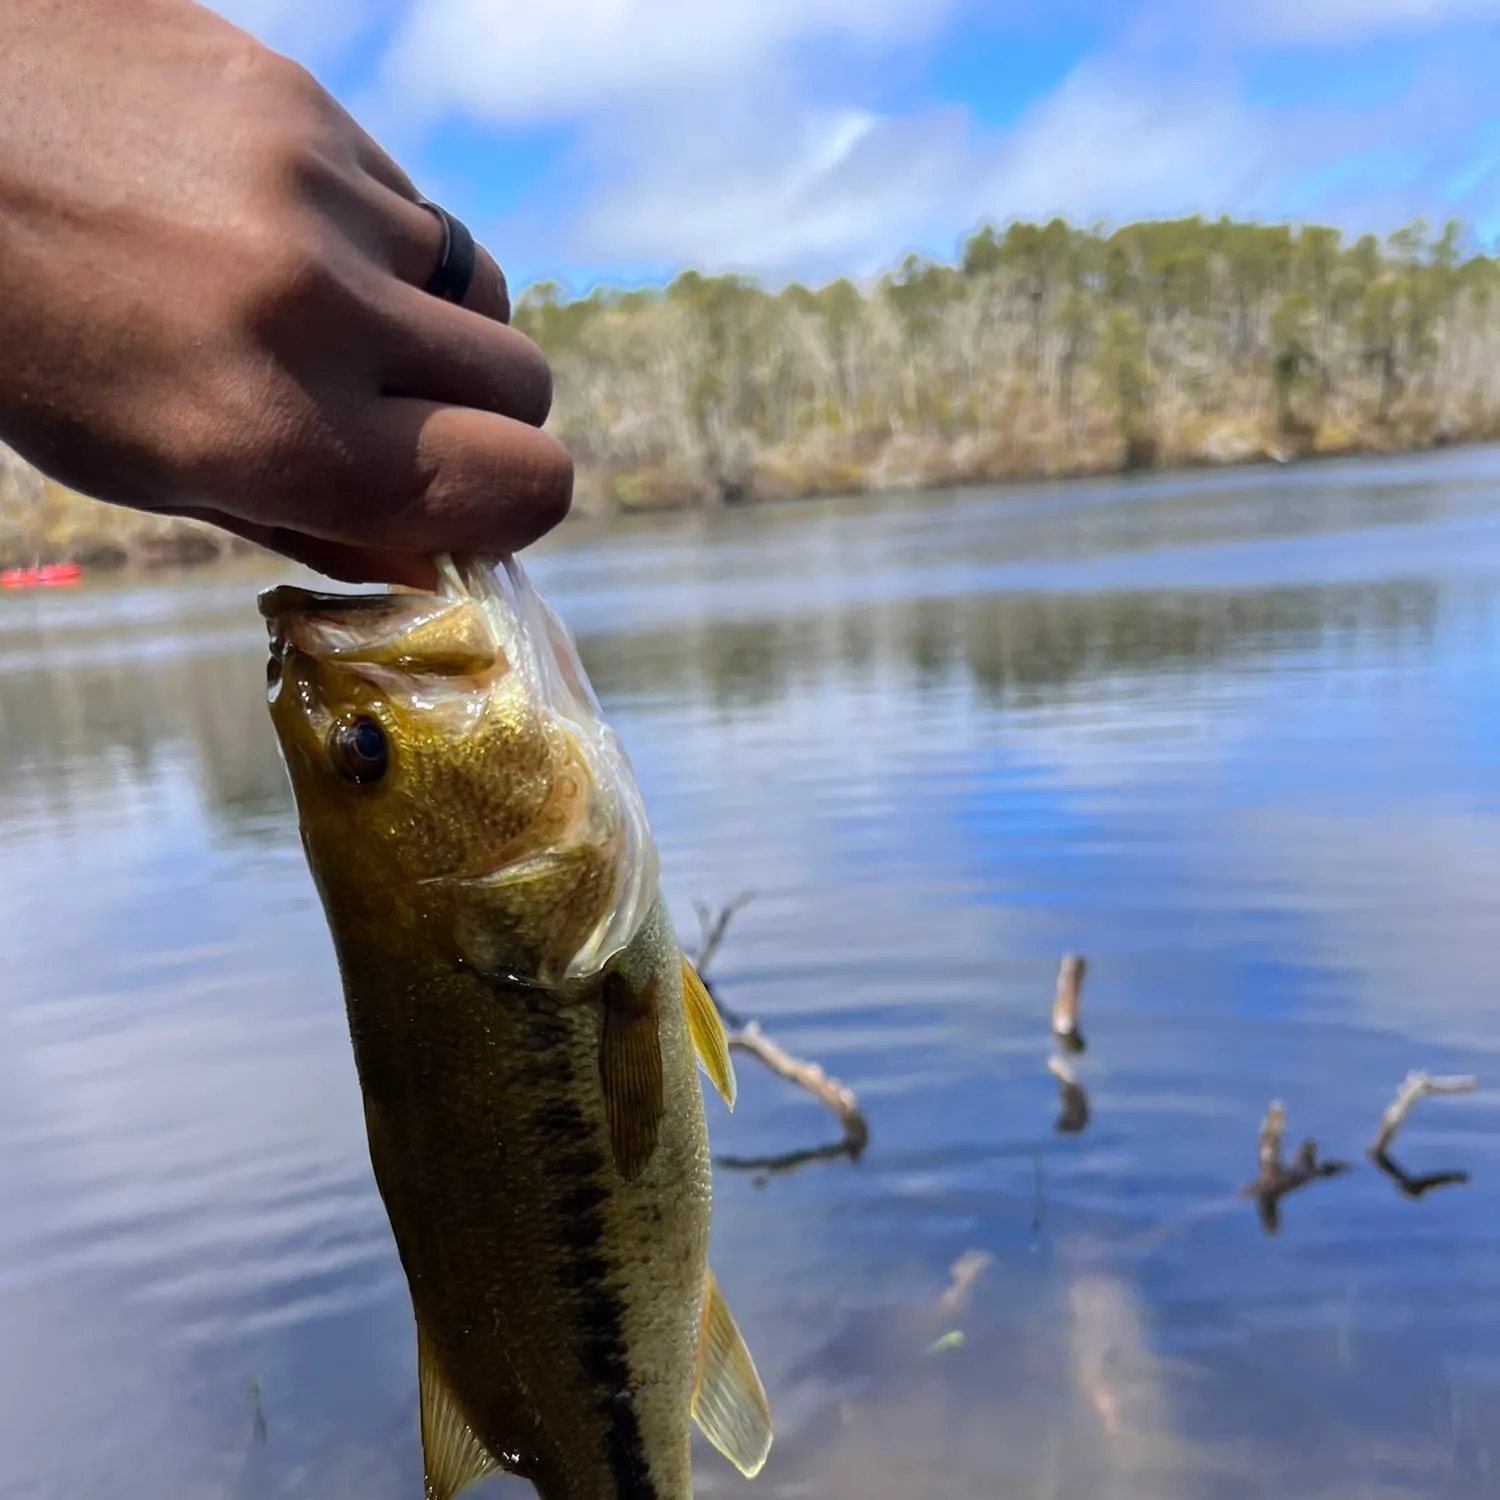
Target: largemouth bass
<point>526,1032</point>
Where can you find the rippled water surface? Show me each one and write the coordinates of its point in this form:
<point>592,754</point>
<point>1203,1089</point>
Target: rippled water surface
<point>1235,737</point>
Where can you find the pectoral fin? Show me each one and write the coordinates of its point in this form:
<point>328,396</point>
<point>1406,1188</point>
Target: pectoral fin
<point>453,1457</point>
<point>630,1071</point>
<point>729,1404</point>
<point>707,1031</point>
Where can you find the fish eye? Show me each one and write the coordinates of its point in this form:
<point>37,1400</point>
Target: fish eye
<point>359,749</point>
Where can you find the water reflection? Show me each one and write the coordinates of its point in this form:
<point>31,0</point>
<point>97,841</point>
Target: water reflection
<point>1022,650</point>
<point>72,723</point>
<point>1233,739</point>
<point>75,719</point>
<point>1072,1099</point>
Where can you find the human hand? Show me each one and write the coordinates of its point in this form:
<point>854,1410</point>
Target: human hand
<point>211,304</point>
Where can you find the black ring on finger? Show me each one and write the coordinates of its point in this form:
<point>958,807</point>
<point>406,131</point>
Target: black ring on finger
<point>455,270</point>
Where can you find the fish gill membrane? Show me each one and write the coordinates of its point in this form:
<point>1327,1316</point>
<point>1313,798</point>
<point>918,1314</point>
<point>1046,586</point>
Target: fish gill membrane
<point>525,1028</point>
<point>542,653</point>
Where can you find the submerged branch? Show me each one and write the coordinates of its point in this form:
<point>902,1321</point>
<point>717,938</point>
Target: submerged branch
<point>745,1035</point>
<point>962,1275</point>
<point>1275,1180</point>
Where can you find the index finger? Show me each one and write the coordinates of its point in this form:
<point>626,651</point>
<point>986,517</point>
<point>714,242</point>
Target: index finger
<point>340,560</point>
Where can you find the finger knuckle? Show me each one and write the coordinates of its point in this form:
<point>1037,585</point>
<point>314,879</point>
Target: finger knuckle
<point>232,440</point>
<point>293,281</point>
<point>288,78</point>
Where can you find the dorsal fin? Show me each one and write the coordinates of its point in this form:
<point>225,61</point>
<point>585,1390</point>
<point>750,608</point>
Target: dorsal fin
<point>707,1032</point>
<point>729,1403</point>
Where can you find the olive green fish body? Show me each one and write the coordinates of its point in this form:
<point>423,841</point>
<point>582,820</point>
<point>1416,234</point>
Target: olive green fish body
<point>492,1153</point>
<point>527,1036</point>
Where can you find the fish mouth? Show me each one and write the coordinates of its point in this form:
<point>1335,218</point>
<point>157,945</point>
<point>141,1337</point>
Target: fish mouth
<point>409,630</point>
<point>289,596</point>
<point>306,618</point>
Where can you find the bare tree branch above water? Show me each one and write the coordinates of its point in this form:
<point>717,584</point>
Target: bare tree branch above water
<point>745,1035</point>
<point>711,929</point>
<point>1416,1085</point>
<point>1065,1000</point>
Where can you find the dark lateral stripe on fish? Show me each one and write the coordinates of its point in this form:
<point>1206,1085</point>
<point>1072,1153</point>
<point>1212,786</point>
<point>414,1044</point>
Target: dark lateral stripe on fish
<point>564,1126</point>
<point>583,1269</point>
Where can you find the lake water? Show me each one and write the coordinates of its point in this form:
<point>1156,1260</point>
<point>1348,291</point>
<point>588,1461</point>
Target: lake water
<point>1234,737</point>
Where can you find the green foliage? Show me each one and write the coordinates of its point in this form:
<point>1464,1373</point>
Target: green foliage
<point>1044,346</point>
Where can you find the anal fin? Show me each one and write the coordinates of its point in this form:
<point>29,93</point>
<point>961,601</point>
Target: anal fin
<point>729,1403</point>
<point>453,1457</point>
<point>631,1074</point>
<point>707,1032</point>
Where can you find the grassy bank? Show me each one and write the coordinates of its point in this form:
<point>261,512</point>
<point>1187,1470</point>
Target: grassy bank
<point>1043,351</point>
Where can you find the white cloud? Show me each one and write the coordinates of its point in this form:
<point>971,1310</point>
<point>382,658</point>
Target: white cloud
<point>775,183</point>
<point>809,186</point>
<point>791,188</point>
<point>1106,144</point>
<point>753,134</point>
<point>504,61</point>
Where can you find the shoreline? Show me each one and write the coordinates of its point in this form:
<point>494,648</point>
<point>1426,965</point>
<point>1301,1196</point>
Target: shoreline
<point>175,545</point>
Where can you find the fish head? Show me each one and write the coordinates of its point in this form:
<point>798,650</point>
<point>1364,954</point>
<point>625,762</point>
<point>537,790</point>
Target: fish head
<point>454,777</point>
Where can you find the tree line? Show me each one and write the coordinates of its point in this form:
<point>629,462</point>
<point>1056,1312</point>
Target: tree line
<point>1043,349</point>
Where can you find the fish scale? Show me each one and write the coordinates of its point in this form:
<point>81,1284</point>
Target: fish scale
<point>480,1223</point>
<point>537,1135</point>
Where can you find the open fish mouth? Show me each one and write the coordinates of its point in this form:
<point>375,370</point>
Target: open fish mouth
<point>477,611</point>
<point>426,634</point>
<point>287,601</point>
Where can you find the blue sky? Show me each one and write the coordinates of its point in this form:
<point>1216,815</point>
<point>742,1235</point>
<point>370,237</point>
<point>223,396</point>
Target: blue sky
<point>620,140</point>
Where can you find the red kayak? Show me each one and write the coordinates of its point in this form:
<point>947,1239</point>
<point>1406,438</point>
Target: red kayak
<point>46,575</point>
